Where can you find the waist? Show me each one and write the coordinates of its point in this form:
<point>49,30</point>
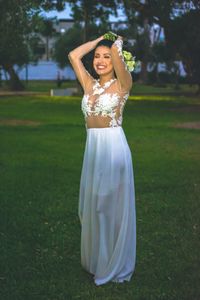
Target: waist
<point>102,122</point>
<point>99,128</point>
<point>104,131</point>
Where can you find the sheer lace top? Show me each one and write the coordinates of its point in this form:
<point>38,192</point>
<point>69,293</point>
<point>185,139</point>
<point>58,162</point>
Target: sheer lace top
<point>104,104</point>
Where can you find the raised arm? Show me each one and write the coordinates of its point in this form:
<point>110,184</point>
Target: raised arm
<point>75,57</point>
<point>123,75</point>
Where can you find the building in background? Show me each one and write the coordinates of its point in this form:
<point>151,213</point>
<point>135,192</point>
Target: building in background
<point>63,25</point>
<point>46,45</point>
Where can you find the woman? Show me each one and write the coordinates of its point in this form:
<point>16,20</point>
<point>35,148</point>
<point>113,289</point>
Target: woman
<point>107,195</point>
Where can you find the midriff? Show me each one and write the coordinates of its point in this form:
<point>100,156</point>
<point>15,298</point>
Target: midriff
<point>97,122</point>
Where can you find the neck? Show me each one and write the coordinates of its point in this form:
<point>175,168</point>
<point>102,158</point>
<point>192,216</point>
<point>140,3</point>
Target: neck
<point>106,78</point>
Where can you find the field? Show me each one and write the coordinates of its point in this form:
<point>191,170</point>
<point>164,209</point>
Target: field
<point>41,150</point>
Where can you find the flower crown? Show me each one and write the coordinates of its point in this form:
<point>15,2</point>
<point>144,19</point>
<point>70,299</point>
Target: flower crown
<point>129,59</point>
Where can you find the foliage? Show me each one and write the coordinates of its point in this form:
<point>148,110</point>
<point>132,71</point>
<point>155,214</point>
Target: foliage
<point>174,17</point>
<point>91,12</point>
<point>159,12</point>
<point>184,35</point>
<point>46,29</point>
<point>65,43</point>
<point>13,27</point>
<point>68,41</point>
<point>18,22</point>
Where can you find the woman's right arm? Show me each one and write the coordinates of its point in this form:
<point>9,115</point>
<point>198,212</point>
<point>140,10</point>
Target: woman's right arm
<point>75,57</point>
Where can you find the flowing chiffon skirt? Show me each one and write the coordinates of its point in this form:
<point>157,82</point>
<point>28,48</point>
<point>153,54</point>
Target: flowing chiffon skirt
<point>107,206</point>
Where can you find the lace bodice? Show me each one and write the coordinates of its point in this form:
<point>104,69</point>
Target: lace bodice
<point>105,102</point>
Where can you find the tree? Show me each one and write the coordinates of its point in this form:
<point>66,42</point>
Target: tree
<point>144,49</point>
<point>91,20</point>
<point>162,53</point>
<point>89,12</point>
<point>17,21</point>
<point>184,35</point>
<point>164,13</point>
<point>65,43</point>
<point>47,30</point>
<point>13,48</point>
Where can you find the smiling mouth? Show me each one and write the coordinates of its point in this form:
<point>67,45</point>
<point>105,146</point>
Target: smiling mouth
<point>100,67</point>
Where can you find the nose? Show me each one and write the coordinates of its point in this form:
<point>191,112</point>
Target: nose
<point>101,60</point>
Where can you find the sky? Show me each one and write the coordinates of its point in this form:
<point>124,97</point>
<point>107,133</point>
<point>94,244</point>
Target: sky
<point>66,14</point>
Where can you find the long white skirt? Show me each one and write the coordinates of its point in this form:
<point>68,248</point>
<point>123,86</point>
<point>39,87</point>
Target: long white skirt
<point>107,206</point>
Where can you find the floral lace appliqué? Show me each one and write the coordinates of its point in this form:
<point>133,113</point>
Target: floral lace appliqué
<point>106,105</point>
<point>98,89</point>
<point>119,43</point>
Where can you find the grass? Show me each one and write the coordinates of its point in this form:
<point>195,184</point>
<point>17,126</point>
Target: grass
<point>44,86</point>
<point>40,171</point>
<point>138,89</point>
<point>41,86</point>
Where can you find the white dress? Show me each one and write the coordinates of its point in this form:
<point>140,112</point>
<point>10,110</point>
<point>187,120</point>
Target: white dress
<point>107,195</point>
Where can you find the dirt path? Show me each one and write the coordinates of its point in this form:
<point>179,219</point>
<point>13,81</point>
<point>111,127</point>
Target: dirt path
<point>17,122</point>
<point>190,125</point>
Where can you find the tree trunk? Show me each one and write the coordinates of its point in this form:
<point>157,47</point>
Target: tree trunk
<point>177,76</point>
<point>14,82</point>
<point>143,74</point>
<point>5,74</point>
<point>47,48</point>
<point>86,22</point>
<point>0,77</point>
<point>198,91</point>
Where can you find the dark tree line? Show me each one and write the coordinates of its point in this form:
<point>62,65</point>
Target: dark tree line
<point>181,23</point>
<point>19,20</point>
<point>180,20</point>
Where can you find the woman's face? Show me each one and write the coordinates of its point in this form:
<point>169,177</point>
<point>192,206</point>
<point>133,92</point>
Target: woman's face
<point>102,62</point>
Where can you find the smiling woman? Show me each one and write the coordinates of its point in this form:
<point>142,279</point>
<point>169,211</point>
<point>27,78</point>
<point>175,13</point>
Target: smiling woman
<point>102,60</point>
<point>107,195</point>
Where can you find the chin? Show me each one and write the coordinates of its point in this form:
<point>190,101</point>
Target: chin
<point>102,72</point>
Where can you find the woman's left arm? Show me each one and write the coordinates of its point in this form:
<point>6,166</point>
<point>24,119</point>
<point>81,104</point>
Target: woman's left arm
<point>122,73</point>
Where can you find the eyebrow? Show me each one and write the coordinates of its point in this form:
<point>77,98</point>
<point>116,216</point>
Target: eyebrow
<point>103,53</point>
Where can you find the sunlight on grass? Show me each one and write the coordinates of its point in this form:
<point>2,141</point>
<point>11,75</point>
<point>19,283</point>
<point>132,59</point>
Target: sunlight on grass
<point>153,97</point>
<point>132,98</point>
<point>164,98</point>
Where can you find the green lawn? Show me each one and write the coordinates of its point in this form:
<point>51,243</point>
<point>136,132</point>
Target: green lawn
<point>44,86</point>
<point>47,85</point>
<point>40,171</point>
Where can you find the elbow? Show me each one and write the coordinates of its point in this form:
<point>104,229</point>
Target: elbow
<point>74,56</point>
<point>70,55</point>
